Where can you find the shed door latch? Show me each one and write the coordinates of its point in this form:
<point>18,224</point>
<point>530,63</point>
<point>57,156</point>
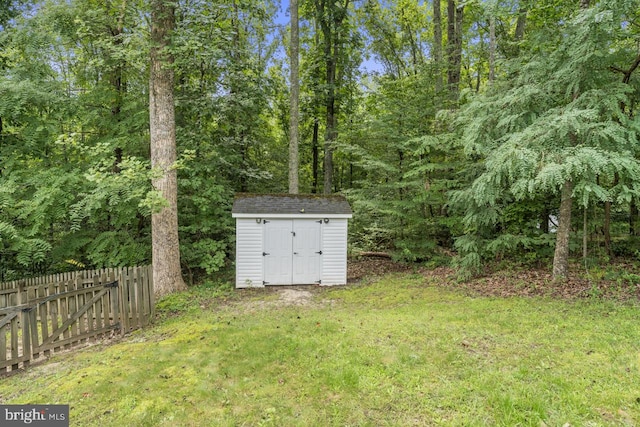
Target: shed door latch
<point>319,252</point>
<point>265,254</point>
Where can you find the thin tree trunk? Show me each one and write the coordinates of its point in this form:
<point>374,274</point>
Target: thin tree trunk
<point>1,144</point>
<point>455,15</point>
<point>606,227</point>
<point>633,218</point>
<point>492,48</point>
<point>331,51</point>
<point>561,254</point>
<point>167,276</point>
<point>544,221</point>
<point>521,23</point>
<point>330,131</point>
<point>295,94</point>
<point>117,81</point>
<point>451,36</point>
<point>437,44</point>
<point>585,239</point>
<point>314,154</point>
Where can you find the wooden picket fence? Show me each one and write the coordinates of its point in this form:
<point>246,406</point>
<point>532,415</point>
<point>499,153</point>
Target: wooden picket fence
<point>48,314</point>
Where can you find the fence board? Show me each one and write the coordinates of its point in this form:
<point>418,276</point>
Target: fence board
<point>98,311</point>
<point>3,349</point>
<point>26,341</point>
<point>54,311</point>
<point>43,312</point>
<point>14,335</point>
<point>124,301</point>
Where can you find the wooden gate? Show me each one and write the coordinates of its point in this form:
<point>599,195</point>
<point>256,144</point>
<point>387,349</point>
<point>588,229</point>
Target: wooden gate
<point>48,314</point>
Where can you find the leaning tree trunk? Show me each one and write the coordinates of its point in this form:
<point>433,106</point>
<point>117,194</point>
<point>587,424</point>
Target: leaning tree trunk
<point>561,255</point>
<point>167,276</point>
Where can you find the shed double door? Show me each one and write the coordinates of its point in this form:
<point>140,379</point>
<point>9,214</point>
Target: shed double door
<point>292,251</point>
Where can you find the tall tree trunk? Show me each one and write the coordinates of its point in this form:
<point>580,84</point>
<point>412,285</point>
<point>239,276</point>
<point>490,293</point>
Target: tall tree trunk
<point>437,44</point>
<point>454,47</point>
<point>561,254</point>
<point>314,154</point>
<point>167,276</point>
<point>331,17</point>
<point>295,95</point>
<point>521,23</point>
<point>330,104</point>
<point>492,48</point>
<point>117,81</point>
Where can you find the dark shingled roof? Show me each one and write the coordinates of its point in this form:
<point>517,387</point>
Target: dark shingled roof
<point>290,204</point>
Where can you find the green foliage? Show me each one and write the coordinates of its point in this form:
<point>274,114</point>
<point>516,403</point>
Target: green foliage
<point>559,115</point>
<point>421,175</point>
<point>400,196</point>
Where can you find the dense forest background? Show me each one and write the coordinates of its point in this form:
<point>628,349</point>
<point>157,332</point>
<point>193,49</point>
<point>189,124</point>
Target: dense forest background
<point>481,129</point>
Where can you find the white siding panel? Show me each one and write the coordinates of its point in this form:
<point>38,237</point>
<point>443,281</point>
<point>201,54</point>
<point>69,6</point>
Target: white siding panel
<point>334,252</point>
<point>249,259</point>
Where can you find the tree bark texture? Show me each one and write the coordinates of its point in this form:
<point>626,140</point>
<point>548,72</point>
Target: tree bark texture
<point>561,254</point>
<point>167,276</point>
<point>294,101</point>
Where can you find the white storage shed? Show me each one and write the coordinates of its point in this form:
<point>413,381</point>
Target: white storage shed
<point>290,239</point>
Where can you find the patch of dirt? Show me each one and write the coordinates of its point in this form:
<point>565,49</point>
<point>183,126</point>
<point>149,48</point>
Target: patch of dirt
<point>531,282</point>
<point>295,296</point>
<point>524,282</point>
<point>367,267</point>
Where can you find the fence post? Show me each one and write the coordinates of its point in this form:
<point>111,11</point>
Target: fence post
<point>26,337</point>
<point>115,307</point>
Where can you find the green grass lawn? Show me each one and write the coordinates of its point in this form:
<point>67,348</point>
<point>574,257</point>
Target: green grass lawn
<point>396,352</point>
